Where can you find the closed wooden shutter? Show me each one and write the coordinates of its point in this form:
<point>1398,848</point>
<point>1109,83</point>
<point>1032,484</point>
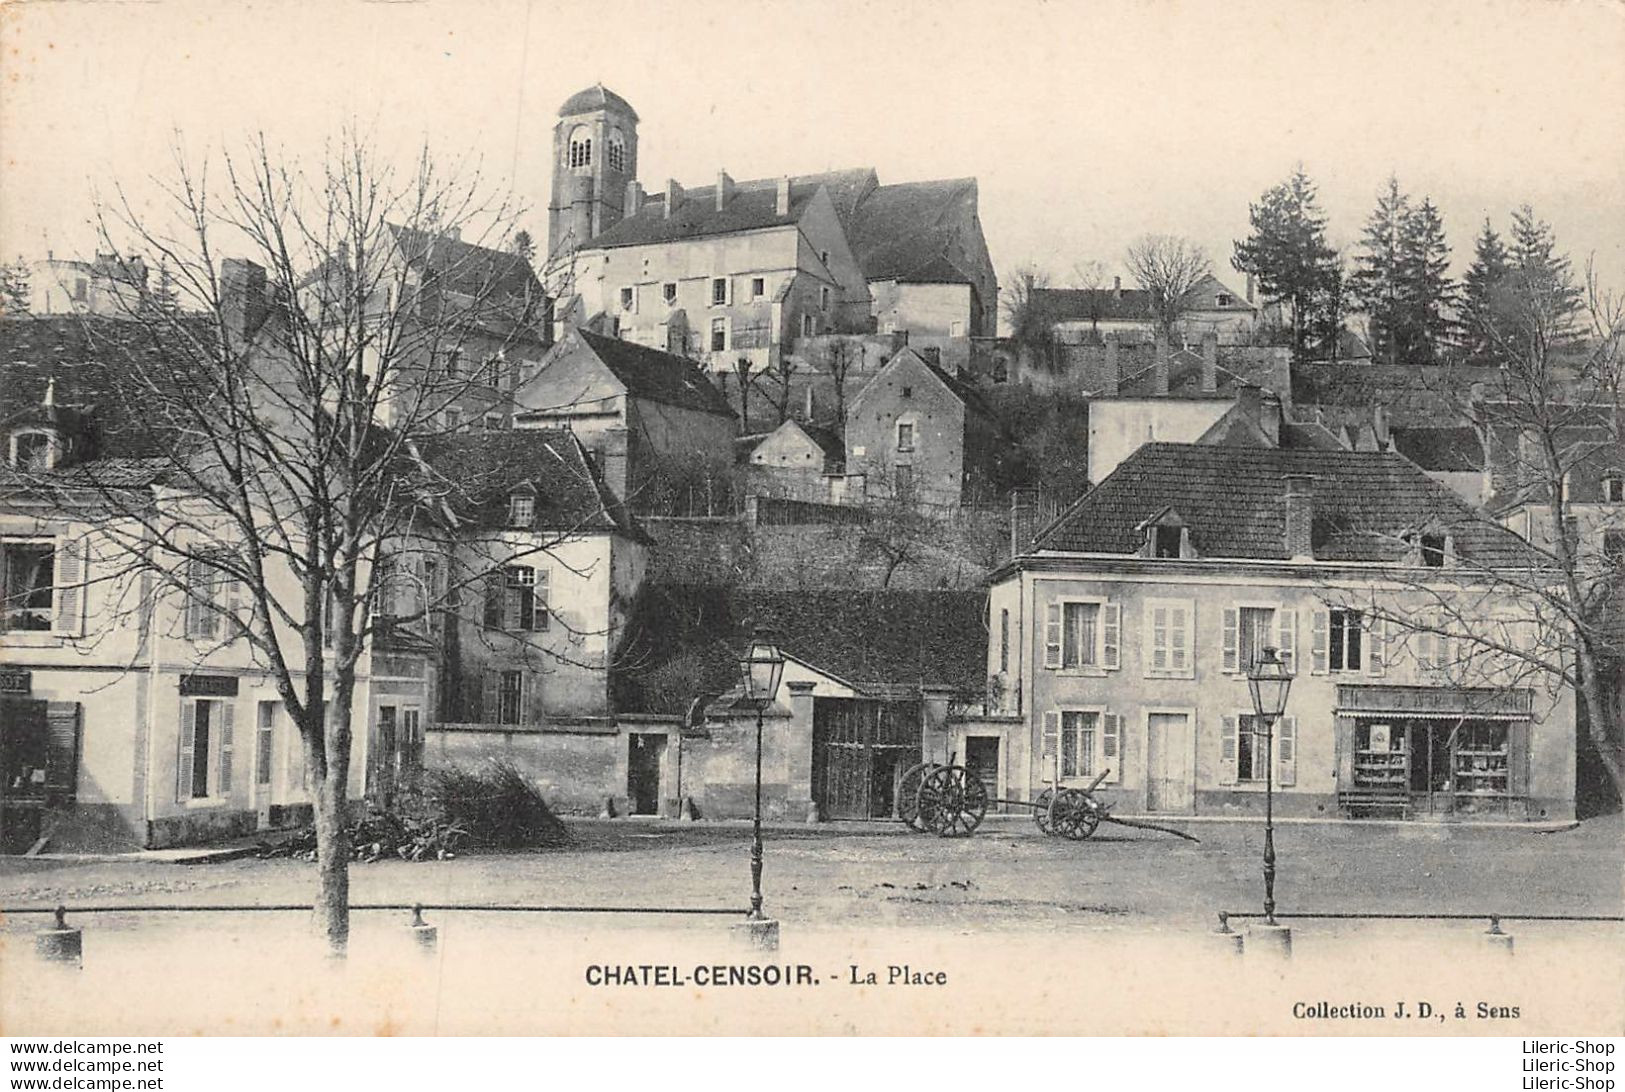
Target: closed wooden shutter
<point>490,697</point>
<point>1157,639</point>
<point>1051,745</point>
<point>1286,751</point>
<point>531,709</point>
<point>1518,758</point>
<point>1111,747</point>
<point>183,768</point>
<point>1230,637</point>
<point>1111,635</point>
<point>493,601</point>
<point>1181,626</point>
<point>1052,636</point>
<point>1227,750</point>
<point>1376,645</point>
<point>541,615</point>
<point>1320,639</point>
<point>62,749</point>
<point>69,599</point>
<point>228,754</point>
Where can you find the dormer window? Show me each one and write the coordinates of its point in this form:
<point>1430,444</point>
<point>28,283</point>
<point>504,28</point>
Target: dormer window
<point>521,508</point>
<point>1434,551</point>
<point>1225,299</point>
<point>1165,541</point>
<point>1613,488</point>
<point>1166,536</point>
<point>34,449</point>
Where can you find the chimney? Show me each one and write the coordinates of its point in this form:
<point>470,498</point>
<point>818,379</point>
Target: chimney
<point>1249,288</point>
<point>725,190</point>
<point>1269,417</point>
<point>808,412</point>
<point>1210,363</point>
<point>1159,375</point>
<point>1300,516</point>
<point>634,198</point>
<point>781,202</point>
<point>242,295</point>
<point>1117,287</point>
<point>674,196</point>
<point>1379,424</point>
<point>1113,370</point>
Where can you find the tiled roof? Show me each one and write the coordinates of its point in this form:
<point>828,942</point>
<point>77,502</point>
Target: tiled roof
<point>658,376</point>
<point>1443,448</point>
<point>1235,370</point>
<point>467,267</point>
<point>684,640</point>
<point>753,205</point>
<point>482,469</point>
<point>1084,304</point>
<point>1231,498</point>
<point>903,232</point>
<point>594,98</point>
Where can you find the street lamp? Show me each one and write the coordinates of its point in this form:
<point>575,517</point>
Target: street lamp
<point>760,670</point>
<point>1269,681</point>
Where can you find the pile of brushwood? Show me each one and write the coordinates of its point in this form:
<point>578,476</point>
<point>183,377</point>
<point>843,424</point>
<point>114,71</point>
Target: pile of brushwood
<point>494,806</point>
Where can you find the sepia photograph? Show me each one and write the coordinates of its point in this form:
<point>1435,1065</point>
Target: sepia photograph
<point>552,518</point>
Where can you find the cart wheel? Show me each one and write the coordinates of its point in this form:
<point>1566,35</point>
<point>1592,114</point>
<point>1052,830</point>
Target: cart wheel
<point>908,794</point>
<point>1077,814</point>
<point>1041,809</point>
<point>929,800</point>
<point>958,801</point>
<point>1089,817</point>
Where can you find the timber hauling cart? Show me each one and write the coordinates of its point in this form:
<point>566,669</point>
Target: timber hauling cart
<point>950,801</point>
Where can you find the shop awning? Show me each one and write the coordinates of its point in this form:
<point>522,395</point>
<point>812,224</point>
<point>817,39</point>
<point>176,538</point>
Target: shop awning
<point>1436,702</point>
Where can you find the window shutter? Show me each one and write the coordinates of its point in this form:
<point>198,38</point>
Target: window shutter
<point>1181,622</point>
<point>1320,638</point>
<point>69,600</point>
<point>1518,758</point>
<point>1231,624</point>
<point>540,616</point>
<point>1286,751</point>
<point>493,601</point>
<point>234,603</point>
<point>228,711</point>
<point>1156,638</point>
<point>531,699</point>
<point>183,768</point>
<point>1111,635</point>
<point>1286,637</point>
<point>1052,637</point>
<point>1227,750</point>
<point>62,748</point>
<point>728,291</point>
<point>1111,747</point>
<point>1376,645</point>
<point>490,702</point>
<point>1052,745</point>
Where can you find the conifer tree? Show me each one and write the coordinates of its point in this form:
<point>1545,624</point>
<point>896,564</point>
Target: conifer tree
<point>1377,284</point>
<point>14,288</point>
<point>1426,292</point>
<point>1484,278</point>
<point>1288,253</point>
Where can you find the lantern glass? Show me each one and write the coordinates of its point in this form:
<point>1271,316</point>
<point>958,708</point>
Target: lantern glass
<point>761,668</point>
<point>1269,682</point>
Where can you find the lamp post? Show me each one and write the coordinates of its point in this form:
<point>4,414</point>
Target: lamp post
<point>1269,682</point>
<point>760,670</point>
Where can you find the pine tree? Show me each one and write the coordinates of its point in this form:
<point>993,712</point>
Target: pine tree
<point>1539,270</point>
<point>15,293</point>
<point>1480,336</point>
<point>1288,253</point>
<point>1377,284</point>
<point>1426,292</point>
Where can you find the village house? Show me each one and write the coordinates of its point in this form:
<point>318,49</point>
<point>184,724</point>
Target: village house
<point>659,430</point>
<point>108,285</point>
<point>799,461</point>
<point>1077,316</point>
<point>742,270</point>
<point>1121,639</point>
<point>923,437</point>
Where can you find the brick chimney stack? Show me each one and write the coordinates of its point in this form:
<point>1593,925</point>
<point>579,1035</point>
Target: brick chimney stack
<point>1159,375</point>
<point>1269,417</point>
<point>1300,516</point>
<point>243,298</point>
<point>725,190</point>
<point>1114,368</point>
<point>674,196</point>
<point>1210,363</point>
<point>634,197</point>
<point>781,200</point>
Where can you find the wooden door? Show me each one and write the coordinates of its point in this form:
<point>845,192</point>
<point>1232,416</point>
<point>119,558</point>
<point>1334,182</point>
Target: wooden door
<point>646,755</point>
<point>1170,786</point>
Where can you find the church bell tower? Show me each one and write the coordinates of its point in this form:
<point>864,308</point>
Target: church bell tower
<point>595,155</point>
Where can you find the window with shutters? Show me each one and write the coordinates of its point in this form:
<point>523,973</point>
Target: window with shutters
<point>1433,647</point>
<point>1250,748</point>
<point>1004,640</point>
<point>516,599</point>
<point>522,508</point>
<point>207,749</point>
<point>34,449</point>
<point>511,697</point>
<point>719,335</point>
<point>1078,740</point>
<point>212,597</point>
<point>1169,638</point>
<point>29,572</point>
<point>719,291</point>
<point>265,743</point>
<point>1082,635</point>
<point>1244,749</point>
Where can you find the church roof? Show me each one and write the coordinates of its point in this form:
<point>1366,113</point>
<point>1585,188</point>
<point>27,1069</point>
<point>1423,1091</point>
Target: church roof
<point>752,206</point>
<point>593,98</point>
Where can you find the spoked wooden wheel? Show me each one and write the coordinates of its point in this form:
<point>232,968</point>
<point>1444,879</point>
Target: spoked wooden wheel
<point>956,799</point>
<point>908,795</point>
<point>1041,810</point>
<point>1076,814</point>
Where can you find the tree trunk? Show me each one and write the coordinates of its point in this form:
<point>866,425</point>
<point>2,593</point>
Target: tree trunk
<point>332,910</point>
<point>1602,716</point>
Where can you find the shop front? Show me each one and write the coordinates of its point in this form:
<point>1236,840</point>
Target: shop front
<point>1417,752</point>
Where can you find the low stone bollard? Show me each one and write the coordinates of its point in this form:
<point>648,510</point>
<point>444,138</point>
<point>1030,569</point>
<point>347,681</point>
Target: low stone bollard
<point>685,814</point>
<point>813,815</point>
<point>609,808</point>
<point>427,936</point>
<point>60,944</point>
<point>1270,941</point>
<point>761,934</point>
<point>1225,940</point>
<point>1497,941</point>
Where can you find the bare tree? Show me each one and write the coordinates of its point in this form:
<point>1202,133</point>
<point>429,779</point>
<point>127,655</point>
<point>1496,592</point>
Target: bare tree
<point>838,358</point>
<point>293,409</point>
<point>1091,276</point>
<point>1168,267</point>
<point>1028,321</point>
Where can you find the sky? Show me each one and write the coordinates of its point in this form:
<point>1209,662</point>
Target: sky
<point>1086,125</point>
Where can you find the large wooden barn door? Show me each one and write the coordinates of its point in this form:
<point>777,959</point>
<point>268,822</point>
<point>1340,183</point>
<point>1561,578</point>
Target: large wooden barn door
<point>859,749</point>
